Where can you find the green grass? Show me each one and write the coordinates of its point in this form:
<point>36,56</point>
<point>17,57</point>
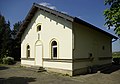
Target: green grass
<point>2,64</point>
<point>116,54</point>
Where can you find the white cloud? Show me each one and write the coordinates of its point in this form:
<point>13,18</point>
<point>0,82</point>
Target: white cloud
<point>48,5</point>
<point>64,12</point>
<point>80,17</point>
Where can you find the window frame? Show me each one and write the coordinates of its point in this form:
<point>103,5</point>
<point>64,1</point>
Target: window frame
<point>28,51</point>
<point>53,48</point>
<point>37,27</point>
<point>103,47</point>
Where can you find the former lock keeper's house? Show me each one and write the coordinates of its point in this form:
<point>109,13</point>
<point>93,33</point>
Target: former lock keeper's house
<point>62,43</point>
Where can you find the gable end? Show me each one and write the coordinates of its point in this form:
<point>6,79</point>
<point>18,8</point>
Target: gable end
<point>36,6</point>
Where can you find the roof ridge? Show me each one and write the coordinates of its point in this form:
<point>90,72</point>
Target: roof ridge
<point>52,10</point>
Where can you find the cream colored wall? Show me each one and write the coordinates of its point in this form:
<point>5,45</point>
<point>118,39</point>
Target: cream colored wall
<point>27,62</point>
<point>58,65</point>
<point>87,40</point>
<point>52,28</point>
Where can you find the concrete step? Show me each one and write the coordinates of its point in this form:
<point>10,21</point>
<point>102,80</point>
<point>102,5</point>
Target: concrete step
<point>36,68</point>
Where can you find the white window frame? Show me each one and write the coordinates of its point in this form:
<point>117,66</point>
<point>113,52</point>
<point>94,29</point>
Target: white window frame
<point>52,50</point>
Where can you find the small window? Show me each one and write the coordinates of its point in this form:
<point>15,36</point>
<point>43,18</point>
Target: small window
<point>54,49</point>
<point>28,51</point>
<point>103,47</point>
<point>90,54</point>
<point>38,28</point>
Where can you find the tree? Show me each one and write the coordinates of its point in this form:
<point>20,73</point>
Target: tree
<point>15,30</point>
<point>16,50</point>
<point>112,15</point>
<point>9,45</point>
<point>6,41</point>
<point>2,24</point>
<point>5,38</point>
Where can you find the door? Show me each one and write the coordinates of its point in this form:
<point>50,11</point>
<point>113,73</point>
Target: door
<point>38,55</point>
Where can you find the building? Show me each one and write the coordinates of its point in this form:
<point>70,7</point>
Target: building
<point>62,43</point>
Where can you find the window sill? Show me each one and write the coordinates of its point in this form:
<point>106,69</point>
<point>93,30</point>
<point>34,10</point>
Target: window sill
<point>28,59</point>
<point>57,60</point>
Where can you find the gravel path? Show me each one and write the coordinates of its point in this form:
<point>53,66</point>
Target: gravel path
<point>19,75</point>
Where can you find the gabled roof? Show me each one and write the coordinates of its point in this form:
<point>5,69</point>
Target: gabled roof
<point>36,6</point>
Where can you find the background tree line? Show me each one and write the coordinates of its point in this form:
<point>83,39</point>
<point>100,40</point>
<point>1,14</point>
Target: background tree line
<point>9,45</point>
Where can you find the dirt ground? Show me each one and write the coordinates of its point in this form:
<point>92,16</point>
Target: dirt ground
<point>14,74</point>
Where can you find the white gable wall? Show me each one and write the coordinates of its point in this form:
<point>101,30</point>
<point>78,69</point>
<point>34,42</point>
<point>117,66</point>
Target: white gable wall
<point>51,28</point>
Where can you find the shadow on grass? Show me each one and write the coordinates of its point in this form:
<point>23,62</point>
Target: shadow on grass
<point>16,80</point>
<point>3,67</point>
<point>110,69</point>
<point>106,69</point>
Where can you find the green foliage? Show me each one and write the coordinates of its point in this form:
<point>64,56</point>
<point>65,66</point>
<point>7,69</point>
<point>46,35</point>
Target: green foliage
<point>16,42</point>
<point>15,30</point>
<point>112,15</point>
<point>9,46</point>
<point>8,60</point>
<point>5,37</point>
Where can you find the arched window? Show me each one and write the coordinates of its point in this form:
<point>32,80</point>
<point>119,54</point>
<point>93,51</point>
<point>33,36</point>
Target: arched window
<point>28,51</point>
<point>38,28</point>
<point>54,49</point>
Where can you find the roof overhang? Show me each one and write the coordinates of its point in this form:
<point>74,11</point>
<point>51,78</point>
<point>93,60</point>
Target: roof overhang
<point>36,6</point>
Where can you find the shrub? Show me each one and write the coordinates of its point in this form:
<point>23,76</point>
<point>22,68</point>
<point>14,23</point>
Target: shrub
<point>8,60</point>
<point>1,61</point>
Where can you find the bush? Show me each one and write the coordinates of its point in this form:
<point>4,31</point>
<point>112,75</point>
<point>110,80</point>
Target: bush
<point>1,61</point>
<point>8,60</point>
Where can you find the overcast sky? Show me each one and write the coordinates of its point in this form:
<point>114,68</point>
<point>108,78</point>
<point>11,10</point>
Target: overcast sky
<point>90,11</point>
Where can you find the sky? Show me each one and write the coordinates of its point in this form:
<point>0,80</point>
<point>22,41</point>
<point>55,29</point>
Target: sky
<point>90,11</point>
